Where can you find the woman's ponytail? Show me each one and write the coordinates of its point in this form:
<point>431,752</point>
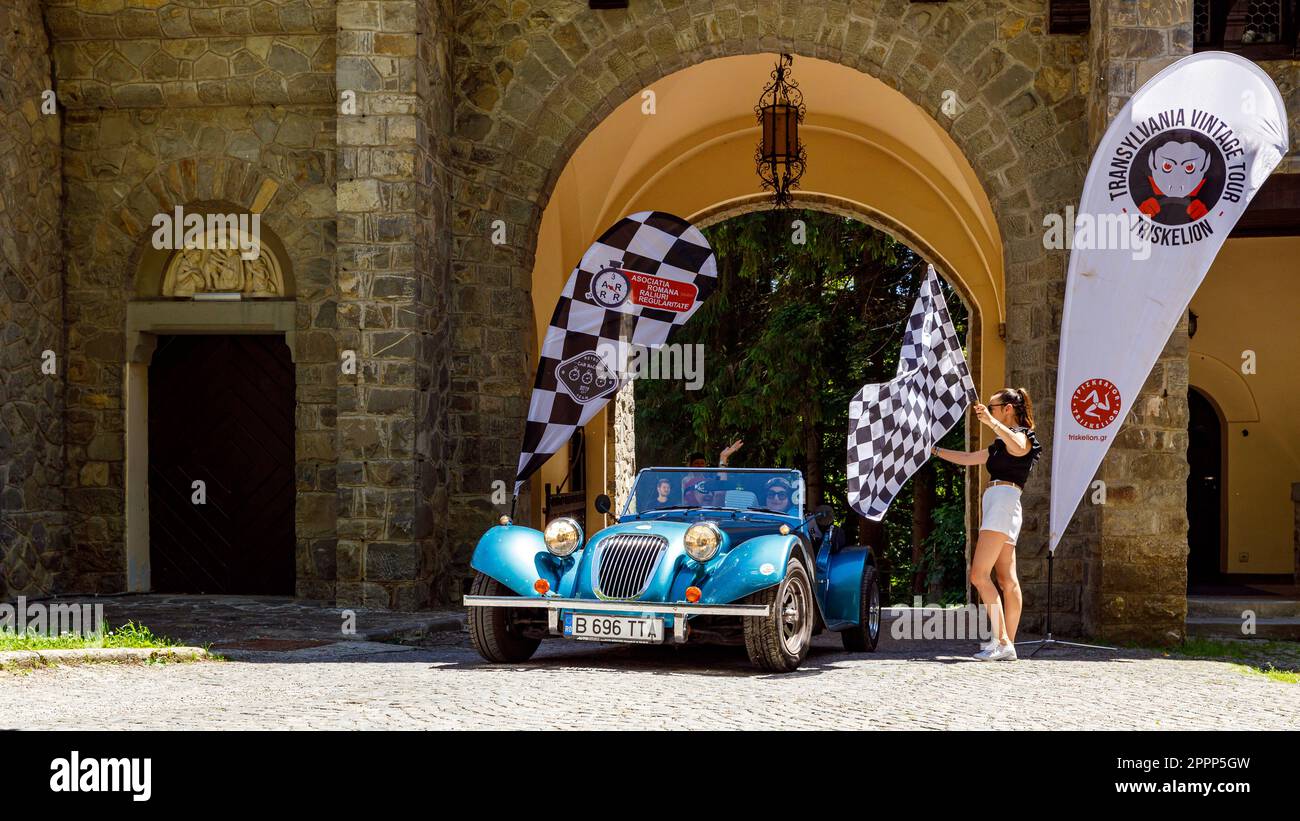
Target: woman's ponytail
<point>1024,409</point>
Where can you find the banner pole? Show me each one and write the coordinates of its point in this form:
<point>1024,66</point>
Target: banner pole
<point>1047,640</point>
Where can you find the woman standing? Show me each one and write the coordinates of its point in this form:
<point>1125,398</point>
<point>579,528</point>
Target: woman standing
<point>1009,459</point>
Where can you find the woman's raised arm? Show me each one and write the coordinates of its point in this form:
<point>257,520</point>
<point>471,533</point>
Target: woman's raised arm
<point>962,457</point>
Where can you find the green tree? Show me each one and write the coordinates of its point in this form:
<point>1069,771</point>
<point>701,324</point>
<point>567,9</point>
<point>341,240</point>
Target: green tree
<point>792,332</point>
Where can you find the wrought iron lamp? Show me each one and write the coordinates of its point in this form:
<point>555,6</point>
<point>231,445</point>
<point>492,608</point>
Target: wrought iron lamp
<point>780,157</point>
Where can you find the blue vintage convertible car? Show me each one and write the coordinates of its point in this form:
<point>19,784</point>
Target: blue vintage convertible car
<point>698,554</point>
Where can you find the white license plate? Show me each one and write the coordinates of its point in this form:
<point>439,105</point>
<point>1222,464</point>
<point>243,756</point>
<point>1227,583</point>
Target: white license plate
<point>593,627</point>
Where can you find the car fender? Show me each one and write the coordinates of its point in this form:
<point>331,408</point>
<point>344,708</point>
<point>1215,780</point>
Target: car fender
<point>517,557</point>
<point>842,603</point>
<point>741,571</point>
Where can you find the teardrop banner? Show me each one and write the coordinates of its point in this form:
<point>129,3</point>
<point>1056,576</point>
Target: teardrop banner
<point>646,275</point>
<point>1171,177</point>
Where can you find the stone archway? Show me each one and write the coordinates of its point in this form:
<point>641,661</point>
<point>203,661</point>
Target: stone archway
<point>523,109</point>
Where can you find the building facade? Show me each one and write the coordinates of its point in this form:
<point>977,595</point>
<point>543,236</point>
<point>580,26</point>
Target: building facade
<point>425,172</point>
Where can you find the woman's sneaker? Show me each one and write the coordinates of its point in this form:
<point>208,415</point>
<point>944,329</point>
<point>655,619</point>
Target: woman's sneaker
<point>997,652</point>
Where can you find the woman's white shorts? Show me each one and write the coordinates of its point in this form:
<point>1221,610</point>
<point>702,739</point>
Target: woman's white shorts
<point>1001,510</point>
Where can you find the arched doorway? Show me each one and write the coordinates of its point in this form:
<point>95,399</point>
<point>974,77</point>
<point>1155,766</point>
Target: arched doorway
<point>1242,361</point>
<point>1206,486</point>
<point>688,149</point>
<point>211,412</point>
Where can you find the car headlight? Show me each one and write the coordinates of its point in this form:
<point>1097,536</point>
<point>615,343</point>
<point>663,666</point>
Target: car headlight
<point>702,541</point>
<point>563,536</point>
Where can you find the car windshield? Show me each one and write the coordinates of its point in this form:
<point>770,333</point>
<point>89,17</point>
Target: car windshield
<point>771,491</point>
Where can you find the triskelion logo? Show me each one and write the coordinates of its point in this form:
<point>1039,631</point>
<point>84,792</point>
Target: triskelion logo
<point>1178,170</point>
<point>1095,403</point>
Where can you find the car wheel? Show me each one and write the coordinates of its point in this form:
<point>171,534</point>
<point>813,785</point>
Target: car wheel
<point>492,630</point>
<point>863,637</point>
<point>779,641</point>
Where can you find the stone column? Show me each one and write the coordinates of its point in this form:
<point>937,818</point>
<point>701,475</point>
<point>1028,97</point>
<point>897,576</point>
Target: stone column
<point>624,433</point>
<point>33,536</point>
<point>1135,561</point>
<point>393,252</point>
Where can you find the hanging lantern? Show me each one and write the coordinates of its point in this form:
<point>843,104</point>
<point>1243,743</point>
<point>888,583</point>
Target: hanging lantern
<point>780,157</point>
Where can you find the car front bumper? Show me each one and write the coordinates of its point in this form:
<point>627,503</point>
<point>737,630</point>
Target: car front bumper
<point>553,605</point>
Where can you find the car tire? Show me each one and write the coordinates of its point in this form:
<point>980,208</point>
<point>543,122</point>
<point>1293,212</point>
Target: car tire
<point>863,637</point>
<point>779,641</point>
<point>491,629</point>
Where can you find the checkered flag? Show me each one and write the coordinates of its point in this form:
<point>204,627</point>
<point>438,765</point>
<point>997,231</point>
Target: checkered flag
<point>893,425</point>
<point>644,276</point>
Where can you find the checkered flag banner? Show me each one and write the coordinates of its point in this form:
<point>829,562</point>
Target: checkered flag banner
<point>644,276</point>
<point>893,425</point>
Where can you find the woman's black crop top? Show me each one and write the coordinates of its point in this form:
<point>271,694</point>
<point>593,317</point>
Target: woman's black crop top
<point>1002,465</point>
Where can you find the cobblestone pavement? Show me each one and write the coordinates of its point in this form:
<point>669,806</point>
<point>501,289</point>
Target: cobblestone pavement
<point>444,684</point>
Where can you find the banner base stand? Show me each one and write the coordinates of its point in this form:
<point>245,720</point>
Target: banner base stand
<point>1051,642</point>
<point>1048,640</point>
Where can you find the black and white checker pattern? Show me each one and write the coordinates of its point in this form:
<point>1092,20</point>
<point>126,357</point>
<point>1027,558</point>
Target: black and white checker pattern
<point>893,425</point>
<point>648,242</point>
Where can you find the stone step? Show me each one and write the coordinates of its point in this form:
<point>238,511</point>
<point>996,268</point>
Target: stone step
<point>1231,607</point>
<point>1285,629</point>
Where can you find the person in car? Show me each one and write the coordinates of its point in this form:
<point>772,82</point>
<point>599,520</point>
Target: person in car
<point>696,460</point>
<point>663,492</point>
<point>778,495</point>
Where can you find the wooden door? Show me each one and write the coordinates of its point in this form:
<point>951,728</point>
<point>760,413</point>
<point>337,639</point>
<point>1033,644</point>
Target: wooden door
<point>221,412</point>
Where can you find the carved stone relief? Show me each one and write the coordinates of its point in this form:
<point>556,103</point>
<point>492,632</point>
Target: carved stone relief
<point>222,270</point>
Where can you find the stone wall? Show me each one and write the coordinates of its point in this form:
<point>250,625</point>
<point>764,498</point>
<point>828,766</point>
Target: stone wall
<point>394,257</point>
<point>174,104</point>
<point>1135,561</point>
<point>1286,73</point>
<point>33,536</point>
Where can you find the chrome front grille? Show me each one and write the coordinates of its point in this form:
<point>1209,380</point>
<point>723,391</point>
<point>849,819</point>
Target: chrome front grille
<point>625,563</point>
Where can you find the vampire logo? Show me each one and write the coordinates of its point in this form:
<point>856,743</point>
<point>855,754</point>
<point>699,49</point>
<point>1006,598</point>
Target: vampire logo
<point>1177,177</point>
<point>585,377</point>
<point>610,286</point>
<point>1095,403</point>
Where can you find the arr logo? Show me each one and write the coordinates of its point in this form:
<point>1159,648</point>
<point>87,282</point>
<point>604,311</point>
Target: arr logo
<point>612,287</point>
<point>1095,403</point>
<point>77,774</point>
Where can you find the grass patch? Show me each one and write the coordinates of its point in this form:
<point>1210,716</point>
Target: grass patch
<point>1271,672</point>
<point>1276,660</point>
<point>130,634</point>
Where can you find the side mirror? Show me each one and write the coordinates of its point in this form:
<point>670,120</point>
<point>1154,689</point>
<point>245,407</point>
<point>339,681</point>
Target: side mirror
<point>603,504</point>
<point>825,516</point>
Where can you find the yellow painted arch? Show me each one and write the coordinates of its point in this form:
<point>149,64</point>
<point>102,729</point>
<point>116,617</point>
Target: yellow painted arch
<point>689,149</point>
